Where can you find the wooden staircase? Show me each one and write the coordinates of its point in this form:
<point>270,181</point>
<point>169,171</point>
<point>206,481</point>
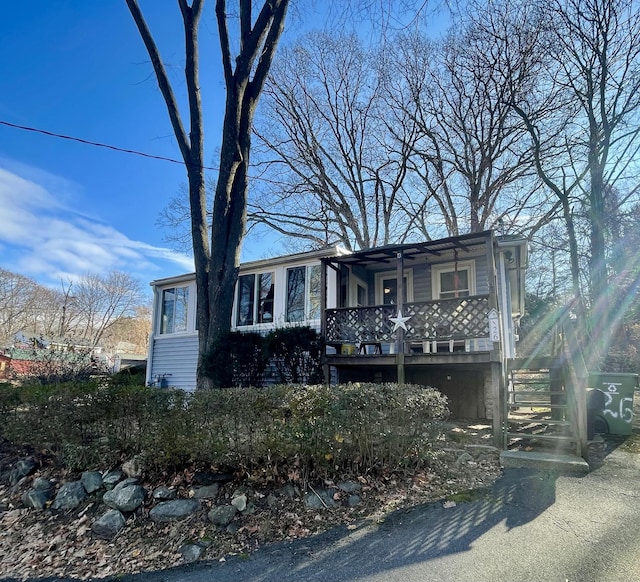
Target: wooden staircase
<point>539,413</point>
<point>544,409</point>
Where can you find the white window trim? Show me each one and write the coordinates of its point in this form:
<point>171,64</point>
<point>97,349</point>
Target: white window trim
<point>306,320</point>
<point>255,324</point>
<point>382,275</point>
<point>437,270</point>
<point>191,311</point>
<point>354,281</point>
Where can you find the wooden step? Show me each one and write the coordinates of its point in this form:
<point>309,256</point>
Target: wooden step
<point>530,381</point>
<point>540,363</point>
<point>536,393</point>
<point>541,421</point>
<point>548,437</point>
<point>536,404</point>
<point>544,461</point>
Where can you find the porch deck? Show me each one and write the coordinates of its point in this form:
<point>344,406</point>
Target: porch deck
<point>449,331</point>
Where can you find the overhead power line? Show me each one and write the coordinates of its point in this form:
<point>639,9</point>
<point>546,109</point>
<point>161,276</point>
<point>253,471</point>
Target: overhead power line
<point>100,145</point>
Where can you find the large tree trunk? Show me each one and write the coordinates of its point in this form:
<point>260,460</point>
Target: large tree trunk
<point>245,74</point>
<point>244,83</point>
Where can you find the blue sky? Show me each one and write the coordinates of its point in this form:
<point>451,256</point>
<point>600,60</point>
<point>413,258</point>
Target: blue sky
<point>79,68</point>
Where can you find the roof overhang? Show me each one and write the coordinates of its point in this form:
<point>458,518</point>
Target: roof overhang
<point>411,251</point>
<point>335,251</point>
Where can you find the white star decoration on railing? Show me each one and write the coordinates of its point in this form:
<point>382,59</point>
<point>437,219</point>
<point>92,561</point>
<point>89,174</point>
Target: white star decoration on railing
<point>399,321</point>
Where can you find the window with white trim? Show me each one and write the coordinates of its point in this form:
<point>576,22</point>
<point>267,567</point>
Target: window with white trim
<point>175,310</point>
<point>303,294</point>
<point>254,298</point>
<point>387,287</point>
<point>453,280</point>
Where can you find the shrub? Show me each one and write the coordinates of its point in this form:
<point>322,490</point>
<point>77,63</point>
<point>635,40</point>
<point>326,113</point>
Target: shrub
<point>236,359</point>
<point>285,431</point>
<point>296,352</point>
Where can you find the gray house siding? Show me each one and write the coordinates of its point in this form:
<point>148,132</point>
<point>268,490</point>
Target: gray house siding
<point>422,279</point>
<point>175,359</point>
<point>421,283</point>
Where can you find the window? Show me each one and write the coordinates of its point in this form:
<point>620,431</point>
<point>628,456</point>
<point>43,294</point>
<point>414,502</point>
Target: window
<point>303,293</point>
<point>387,288</point>
<point>451,281</point>
<point>249,310</point>
<point>361,295</point>
<point>175,303</point>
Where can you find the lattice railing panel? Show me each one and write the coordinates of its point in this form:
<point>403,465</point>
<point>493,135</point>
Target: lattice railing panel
<point>460,318</point>
<point>360,324</point>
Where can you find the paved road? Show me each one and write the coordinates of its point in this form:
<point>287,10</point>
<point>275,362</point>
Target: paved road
<point>530,527</point>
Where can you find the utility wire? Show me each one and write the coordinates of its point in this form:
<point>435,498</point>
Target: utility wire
<point>100,145</point>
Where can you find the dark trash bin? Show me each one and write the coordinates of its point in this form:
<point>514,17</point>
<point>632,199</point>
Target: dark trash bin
<point>610,403</point>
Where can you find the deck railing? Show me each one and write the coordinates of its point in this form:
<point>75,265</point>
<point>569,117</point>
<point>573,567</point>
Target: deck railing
<point>459,318</point>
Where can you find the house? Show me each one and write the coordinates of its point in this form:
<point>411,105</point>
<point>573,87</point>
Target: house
<point>270,293</point>
<point>442,313</point>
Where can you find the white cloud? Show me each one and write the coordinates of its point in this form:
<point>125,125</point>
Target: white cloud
<point>41,237</point>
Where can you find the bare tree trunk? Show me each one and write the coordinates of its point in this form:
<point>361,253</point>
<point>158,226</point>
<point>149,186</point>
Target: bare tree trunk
<point>217,265</point>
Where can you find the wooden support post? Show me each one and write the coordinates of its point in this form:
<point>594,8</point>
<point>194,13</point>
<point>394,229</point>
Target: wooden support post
<point>497,400</point>
<point>323,320</point>
<point>400,331</point>
<point>400,367</point>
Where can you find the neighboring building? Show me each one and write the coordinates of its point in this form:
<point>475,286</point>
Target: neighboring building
<point>442,313</point>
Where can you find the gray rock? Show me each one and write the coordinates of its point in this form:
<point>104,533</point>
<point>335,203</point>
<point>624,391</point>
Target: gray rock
<point>164,493</point>
<point>271,500</point>
<point>23,468</point>
<point>174,510</point>
<point>232,528</point>
<point>108,525</point>
<point>349,486</point>
<point>92,481</point>
<point>191,552</point>
<point>26,467</point>
<point>133,468</point>
<point>42,484</point>
<point>111,478</point>
<point>125,499</point>
<point>70,496</point>
<point>37,499</point>
<point>320,498</point>
<point>464,458</point>
<point>206,492</point>
<point>353,500</point>
<point>222,515</point>
<point>240,502</point>
<point>126,482</point>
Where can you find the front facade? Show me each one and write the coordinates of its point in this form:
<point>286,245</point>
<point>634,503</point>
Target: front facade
<point>442,313</point>
<point>271,293</point>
